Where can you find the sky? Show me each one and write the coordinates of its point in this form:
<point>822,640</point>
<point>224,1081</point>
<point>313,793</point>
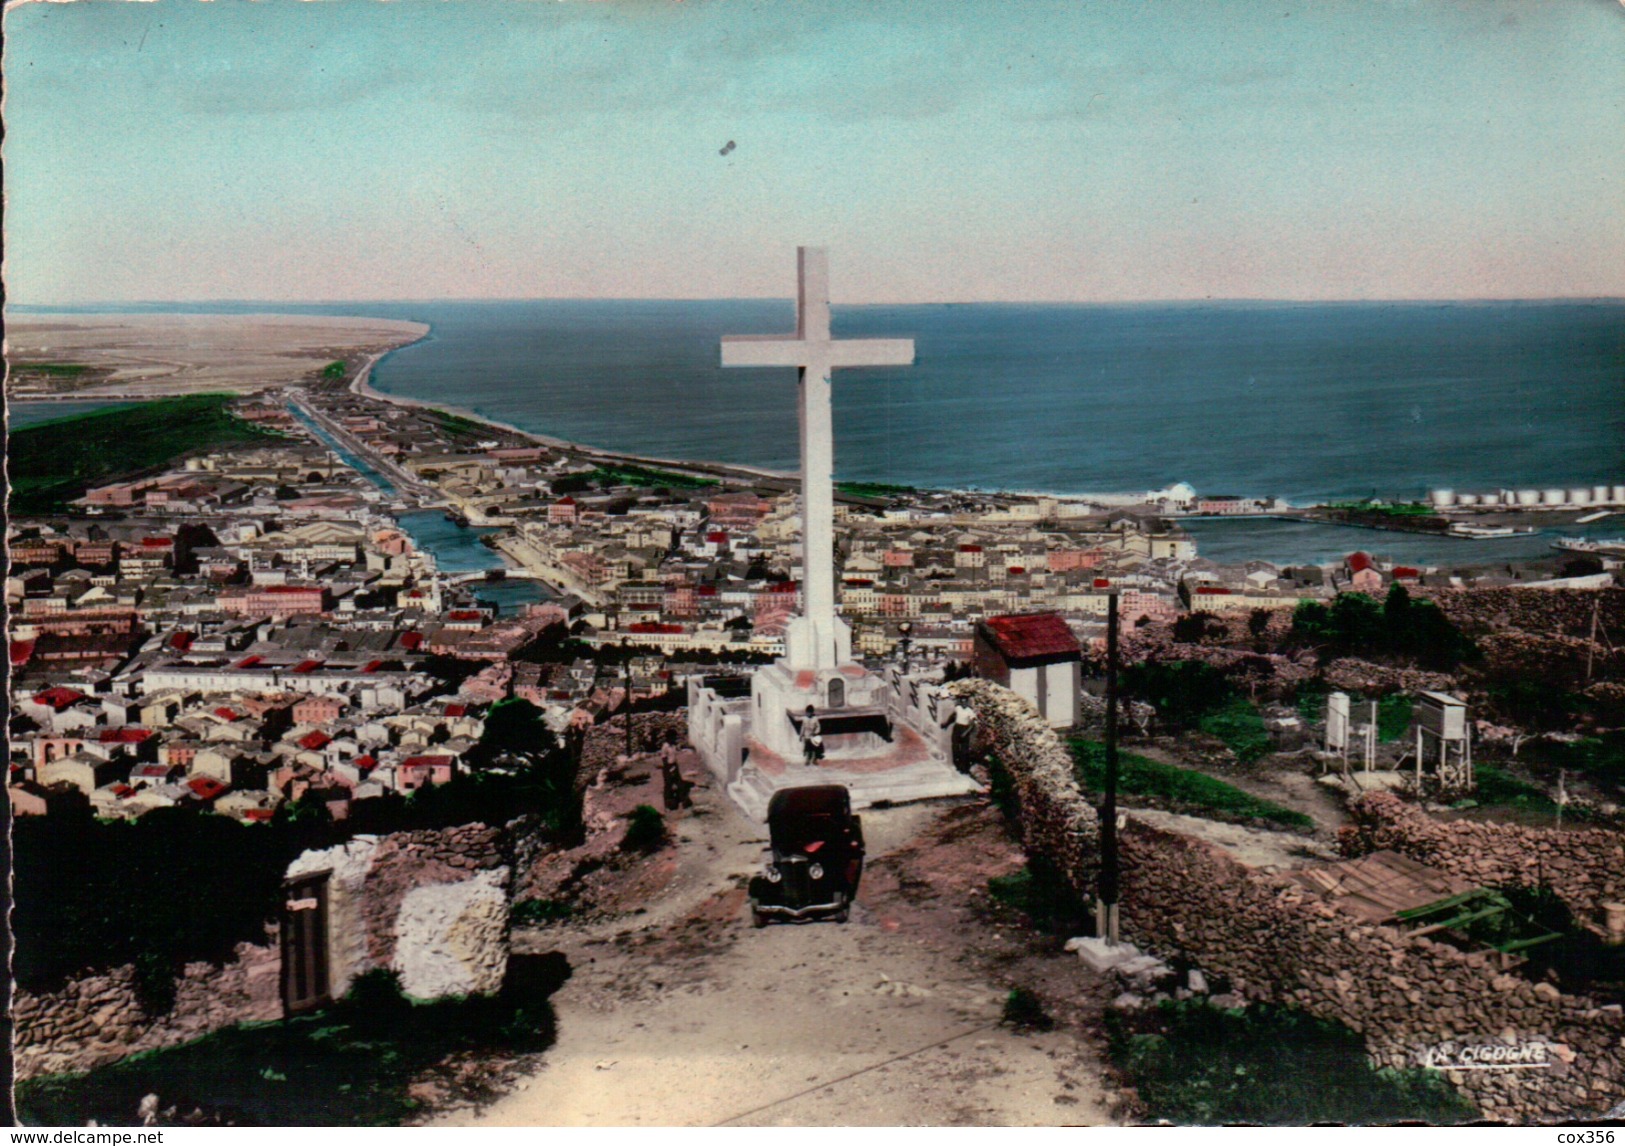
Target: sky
<point>1012,150</point>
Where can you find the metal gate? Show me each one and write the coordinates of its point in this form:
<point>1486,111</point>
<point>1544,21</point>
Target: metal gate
<point>304,944</point>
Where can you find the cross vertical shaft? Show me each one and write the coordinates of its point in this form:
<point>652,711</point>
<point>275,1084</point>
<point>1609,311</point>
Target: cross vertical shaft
<point>819,639</point>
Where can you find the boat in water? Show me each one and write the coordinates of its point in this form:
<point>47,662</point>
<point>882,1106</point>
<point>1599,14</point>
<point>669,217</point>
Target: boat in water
<point>1614,546</point>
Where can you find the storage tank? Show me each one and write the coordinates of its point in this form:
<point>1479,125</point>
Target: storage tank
<point>1443,498</point>
<point>1489,499</point>
<point>1552,497</point>
<point>1599,495</point>
<point>1467,499</point>
<point>1619,495</point>
<point>1528,497</point>
<point>1579,497</point>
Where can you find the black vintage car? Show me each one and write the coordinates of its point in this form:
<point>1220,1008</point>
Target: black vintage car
<point>817,856</point>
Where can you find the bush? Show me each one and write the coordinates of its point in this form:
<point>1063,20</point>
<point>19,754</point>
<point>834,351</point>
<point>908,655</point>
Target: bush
<point>1024,1011</point>
<point>1241,728</point>
<point>1193,1063</point>
<point>645,830</point>
<point>1039,893</point>
<point>1184,788</point>
<point>1181,691</point>
<point>535,912</point>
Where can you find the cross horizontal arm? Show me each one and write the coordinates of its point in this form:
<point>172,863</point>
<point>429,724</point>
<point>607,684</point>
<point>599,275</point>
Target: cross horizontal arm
<point>763,350</point>
<point>872,352</point>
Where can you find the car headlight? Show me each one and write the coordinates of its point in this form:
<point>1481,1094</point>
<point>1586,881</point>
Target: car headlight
<point>773,874</point>
<point>816,871</point>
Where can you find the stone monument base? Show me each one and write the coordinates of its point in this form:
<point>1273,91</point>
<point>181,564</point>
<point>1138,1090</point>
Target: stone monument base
<point>885,740</point>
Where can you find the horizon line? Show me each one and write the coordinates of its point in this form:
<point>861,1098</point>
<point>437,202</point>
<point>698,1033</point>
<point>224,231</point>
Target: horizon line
<point>1468,300</point>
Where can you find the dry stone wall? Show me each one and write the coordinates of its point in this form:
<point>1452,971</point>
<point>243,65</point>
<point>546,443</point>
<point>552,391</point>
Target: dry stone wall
<point>1057,822</point>
<point>96,1019</point>
<point>1585,868</point>
<point>1417,1002</point>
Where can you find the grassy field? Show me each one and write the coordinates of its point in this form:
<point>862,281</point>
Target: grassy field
<point>1182,789</point>
<point>642,476</point>
<point>55,462</point>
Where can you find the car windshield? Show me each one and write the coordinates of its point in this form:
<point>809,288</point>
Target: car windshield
<point>799,833</point>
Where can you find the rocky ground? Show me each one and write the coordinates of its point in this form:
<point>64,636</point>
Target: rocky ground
<point>678,1012</point>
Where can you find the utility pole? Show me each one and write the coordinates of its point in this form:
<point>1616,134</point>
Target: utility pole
<point>1591,641</point>
<point>627,705</point>
<point>1106,907</point>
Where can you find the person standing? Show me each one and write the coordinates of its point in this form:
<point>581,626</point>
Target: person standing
<point>676,794</point>
<point>962,719</point>
<point>812,738</point>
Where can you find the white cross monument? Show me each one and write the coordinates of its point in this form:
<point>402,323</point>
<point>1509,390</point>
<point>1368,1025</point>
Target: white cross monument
<point>819,638</point>
<point>817,669</point>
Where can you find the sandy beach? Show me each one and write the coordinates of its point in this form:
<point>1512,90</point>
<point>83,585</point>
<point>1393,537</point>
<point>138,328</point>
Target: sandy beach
<point>159,355</point>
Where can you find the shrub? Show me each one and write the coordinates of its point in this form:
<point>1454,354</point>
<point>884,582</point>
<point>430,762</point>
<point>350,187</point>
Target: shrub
<point>534,912</point>
<point>1181,691</point>
<point>1024,1011</point>
<point>645,830</point>
<point>1039,893</point>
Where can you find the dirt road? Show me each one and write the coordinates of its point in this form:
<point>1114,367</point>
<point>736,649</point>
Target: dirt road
<point>689,1016</point>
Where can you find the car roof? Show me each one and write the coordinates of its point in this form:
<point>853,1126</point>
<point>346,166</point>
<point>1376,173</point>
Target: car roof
<point>818,799</point>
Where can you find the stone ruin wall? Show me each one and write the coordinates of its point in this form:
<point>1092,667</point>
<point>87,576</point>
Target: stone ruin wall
<point>1278,942</point>
<point>95,1020</point>
<point>444,893</point>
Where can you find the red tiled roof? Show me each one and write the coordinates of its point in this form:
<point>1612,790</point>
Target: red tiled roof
<point>426,761</point>
<point>181,641</point>
<point>1212,591</point>
<point>206,787</point>
<point>307,666</point>
<point>58,698</point>
<point>129,734</point>
<point>249,662</point>
<point>1359,562</point>
<point>21,652</point>
<point>371,666</point>
<point>1102,583</point>
<point>411,640</point>
<point>566,500</point>
<point>263,815</point>
<point>157,542</point>
<point>228,714</point>
<point>653,627</point>
<point>464,615</point>
<point>1032,635</point>
<point>1406,571</point>
<point>314,740</point>
<point>1017,570</point>
<point>970,548</point>
<point>303,590</point>
<point>707,591</point>
<point>456,709</point>
<point>365,763</point>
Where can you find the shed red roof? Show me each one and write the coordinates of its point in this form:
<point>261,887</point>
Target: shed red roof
<point>1359,562</point>
<point>21,652</point>
<point>1031,635</point>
